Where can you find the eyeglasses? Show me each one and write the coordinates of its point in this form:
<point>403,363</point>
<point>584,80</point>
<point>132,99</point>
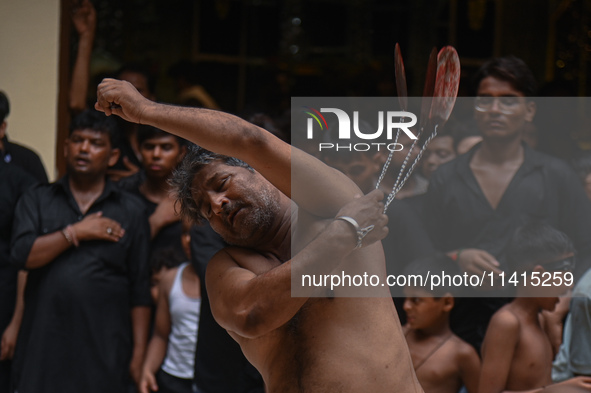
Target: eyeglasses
<point>505,105</point>
<point>564,265</point>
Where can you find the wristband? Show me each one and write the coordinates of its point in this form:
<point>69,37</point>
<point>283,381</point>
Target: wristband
<point>361,232</point>
<point>456,255</point>
<point>70,235</point>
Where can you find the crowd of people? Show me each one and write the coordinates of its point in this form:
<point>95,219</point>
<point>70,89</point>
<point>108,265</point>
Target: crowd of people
<point>163,260</point>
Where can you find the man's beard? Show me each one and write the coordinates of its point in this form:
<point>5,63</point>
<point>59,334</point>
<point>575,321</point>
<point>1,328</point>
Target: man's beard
<point>259,218</point>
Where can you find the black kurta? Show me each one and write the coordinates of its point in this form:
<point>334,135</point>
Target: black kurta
<point>14,181</point>
<point>76,332</point>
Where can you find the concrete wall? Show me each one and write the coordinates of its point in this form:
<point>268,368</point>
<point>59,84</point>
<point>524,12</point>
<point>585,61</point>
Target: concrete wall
<point>29,38</point>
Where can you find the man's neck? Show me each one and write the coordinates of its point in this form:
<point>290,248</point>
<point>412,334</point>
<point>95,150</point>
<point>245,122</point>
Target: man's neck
<point>155,189</point>
<point>278,243</point>
<point>86,189</point>
<point>499,152</point>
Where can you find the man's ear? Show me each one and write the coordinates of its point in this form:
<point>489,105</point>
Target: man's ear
<point>114,157</point>
<point>66,143</point>
<point>182,153</point>
<point>539,268</point>
<point>448,302</point>
<point>530,111</point>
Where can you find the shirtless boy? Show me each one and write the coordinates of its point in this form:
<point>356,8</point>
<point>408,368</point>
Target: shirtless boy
<point>516,352</point>
<point>298,344</point>
<point>443,361</point>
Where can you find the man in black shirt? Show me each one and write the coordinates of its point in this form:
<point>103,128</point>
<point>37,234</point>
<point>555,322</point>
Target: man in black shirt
<point>15,181</point>
<point>85,244</point>
<point>477,201</point>
<point>13,153</point>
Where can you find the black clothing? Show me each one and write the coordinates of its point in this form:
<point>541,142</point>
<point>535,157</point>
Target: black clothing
<point>170,384</point>
<point>544,188</point>
<point>459,216</point>
<point>407,241</point>
<point>14,181</point>
<point>76,332</point>
<point>220,366</point>
<point>25,158</point>
<point>170,235</point>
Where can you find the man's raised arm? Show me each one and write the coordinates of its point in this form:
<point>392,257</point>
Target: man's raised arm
<point>227,134</point>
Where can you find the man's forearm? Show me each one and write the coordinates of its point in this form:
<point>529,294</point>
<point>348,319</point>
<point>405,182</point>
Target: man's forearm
<point>140,322</point>
<point>46,248</point>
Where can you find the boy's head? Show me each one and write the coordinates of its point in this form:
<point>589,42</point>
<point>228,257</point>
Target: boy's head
<point>540,244</point>
<point>161,152</point>
<point>161,261</point>
<point>427,307</point>
<point>538,249</point>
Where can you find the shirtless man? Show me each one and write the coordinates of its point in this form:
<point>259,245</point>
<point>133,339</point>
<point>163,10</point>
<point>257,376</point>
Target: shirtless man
<point>516,352</point>
<point>298,344</point>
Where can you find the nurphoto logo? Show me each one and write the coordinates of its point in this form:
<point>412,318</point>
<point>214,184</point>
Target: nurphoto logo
<point>386,121</point>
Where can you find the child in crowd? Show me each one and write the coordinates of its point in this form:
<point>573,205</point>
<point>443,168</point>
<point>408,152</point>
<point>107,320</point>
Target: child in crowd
<point>442,361</point>
<point>169,363</point>
<point>516,352</point>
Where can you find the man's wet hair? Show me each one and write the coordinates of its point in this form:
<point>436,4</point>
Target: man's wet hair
<point>510,69</point>
<point>537,243</point>
<point>91,119</point>
<point>145,132</point>
<point>182,178</point>
<point>436,264</point>
<point>4,106</point>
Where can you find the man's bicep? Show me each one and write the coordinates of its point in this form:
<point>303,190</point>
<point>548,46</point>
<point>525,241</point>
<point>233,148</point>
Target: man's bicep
<point>227,285</point>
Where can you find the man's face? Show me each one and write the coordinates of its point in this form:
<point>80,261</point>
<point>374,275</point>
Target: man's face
<point>89,152</point>
<point>160,155</point>
<point>240,206</point>
<point>501,110</point>
<point>439,151</point>
<point>422,309</point>
<point>139,81</point>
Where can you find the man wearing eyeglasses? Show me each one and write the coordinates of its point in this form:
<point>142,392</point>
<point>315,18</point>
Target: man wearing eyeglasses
<point>475,202</point>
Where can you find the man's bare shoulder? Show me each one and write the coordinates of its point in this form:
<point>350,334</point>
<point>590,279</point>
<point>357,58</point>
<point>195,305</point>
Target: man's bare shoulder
<point>244,258</point>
